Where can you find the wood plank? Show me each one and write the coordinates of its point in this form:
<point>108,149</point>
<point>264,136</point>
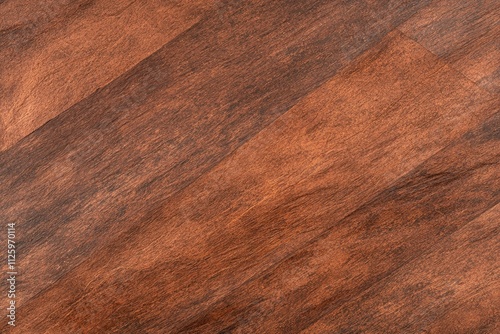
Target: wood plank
<point>115,157</point>
<point>421,296</point>
<point>429,204</point>
<point>279,191</point>
<point>474,310</point>
<point>464,33</point>
<point>55,53</point>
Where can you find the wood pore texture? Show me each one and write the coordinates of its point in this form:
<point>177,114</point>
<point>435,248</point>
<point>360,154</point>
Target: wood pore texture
<point>251,166</point>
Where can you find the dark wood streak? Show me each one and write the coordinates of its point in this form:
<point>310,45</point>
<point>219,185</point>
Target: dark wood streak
<point>251,166</point>
<point>109,160</point>
<point>422,295</point>
<point>55,53</point>
<point>265,201</point>
<point>465,34</point>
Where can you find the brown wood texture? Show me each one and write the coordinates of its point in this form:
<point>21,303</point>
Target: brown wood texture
<point>466,34</point>
<point>252,166</point>
<point>55,53</point>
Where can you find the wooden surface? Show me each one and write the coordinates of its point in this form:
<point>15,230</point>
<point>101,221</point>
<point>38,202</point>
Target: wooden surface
<point>251,166</point>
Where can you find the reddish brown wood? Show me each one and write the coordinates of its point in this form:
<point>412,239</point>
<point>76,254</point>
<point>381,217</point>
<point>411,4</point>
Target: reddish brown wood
<point>383,239</point>
<point>220,231</point>
<point>157,128</point>
<point>55,53</point>
<point>423,295</point>
<point>252,166</point>
<point>466,34</point>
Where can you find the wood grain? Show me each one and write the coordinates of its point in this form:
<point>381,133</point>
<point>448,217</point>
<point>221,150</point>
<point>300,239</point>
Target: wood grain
<point>251,166</point>
<point>411,299</point>
<point>58,52</point>
<point>220,231</point>
<point>465,34</point>
<point>347,263</point>
<point>186,121</point>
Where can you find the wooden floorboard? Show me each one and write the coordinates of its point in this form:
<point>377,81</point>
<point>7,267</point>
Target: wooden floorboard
<point>56,53</point>
<point>409,219</point>
<point>465,34</point>
<point>251,166</point>
<point>165,123</point>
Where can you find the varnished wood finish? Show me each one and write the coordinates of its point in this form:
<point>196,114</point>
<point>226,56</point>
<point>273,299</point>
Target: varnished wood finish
<point>252,166</point>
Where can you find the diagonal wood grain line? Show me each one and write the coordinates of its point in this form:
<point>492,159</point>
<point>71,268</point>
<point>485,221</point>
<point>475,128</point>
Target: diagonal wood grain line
<point>402,276</point>
<point>29,158</point>
<point>456,108</point>
<point>206,251</point>
<point>465,35</point>
<point>399,9</point>
<point>56,53</point>
<point>430,185</point>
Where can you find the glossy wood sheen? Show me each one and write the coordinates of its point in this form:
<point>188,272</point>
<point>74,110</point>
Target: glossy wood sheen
<point>252,166</point>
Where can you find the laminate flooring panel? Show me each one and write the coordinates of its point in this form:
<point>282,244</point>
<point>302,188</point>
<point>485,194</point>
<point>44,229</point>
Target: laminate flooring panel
<point>113,157</point>
<point>286,186</point>
<point>251,166</point>
<point>466,34</point>
<point>55,53</point>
